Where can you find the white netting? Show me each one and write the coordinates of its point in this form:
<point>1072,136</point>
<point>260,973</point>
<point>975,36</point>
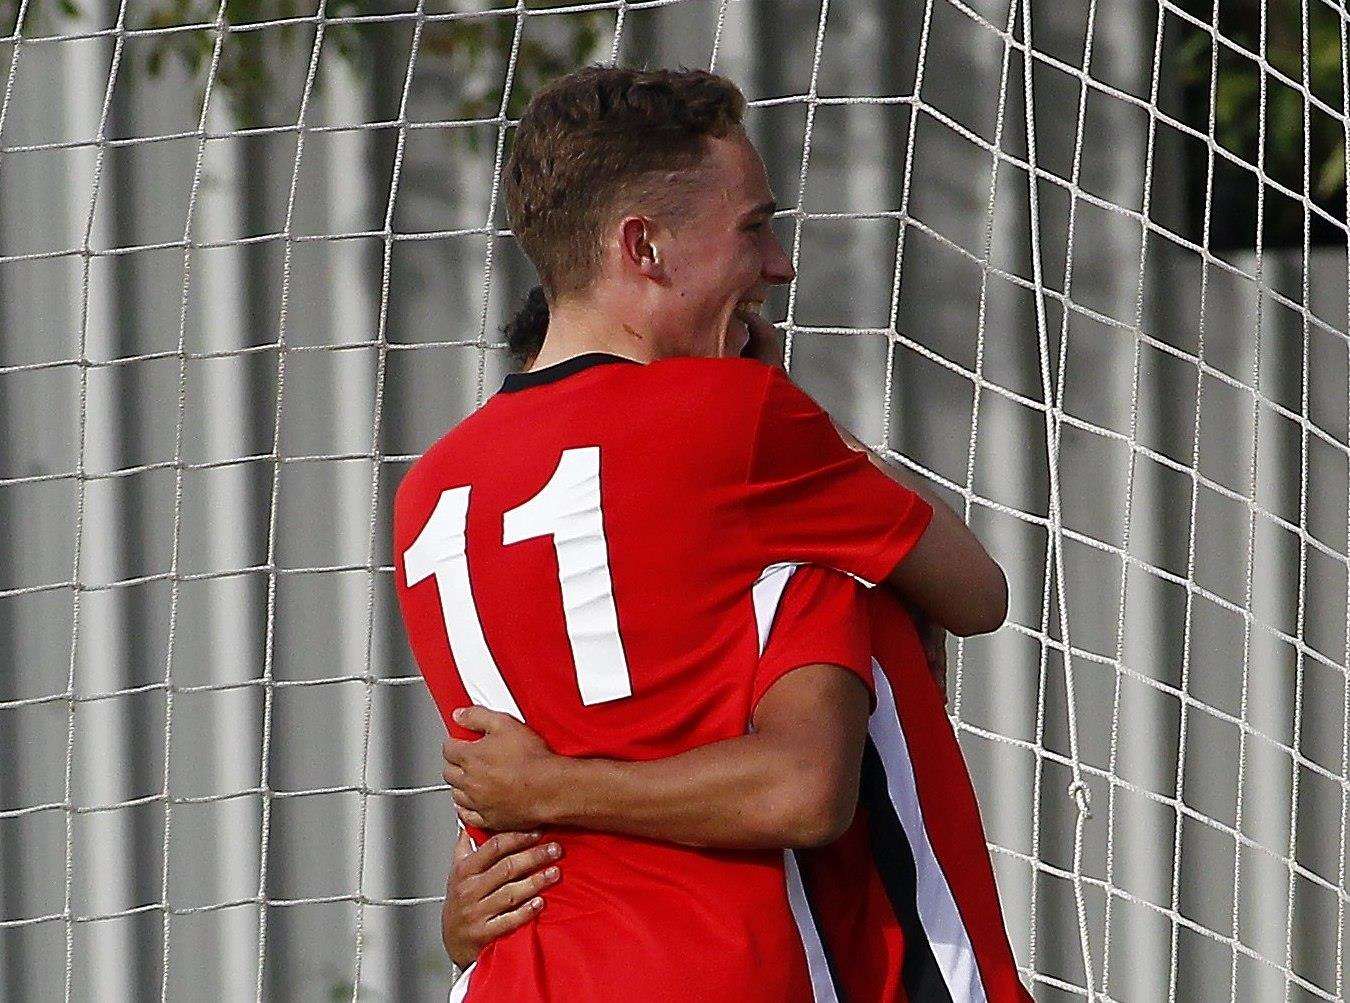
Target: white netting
<point>233,237</point>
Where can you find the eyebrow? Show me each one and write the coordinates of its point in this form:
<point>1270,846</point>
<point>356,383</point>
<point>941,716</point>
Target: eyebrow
<point>763,209</point>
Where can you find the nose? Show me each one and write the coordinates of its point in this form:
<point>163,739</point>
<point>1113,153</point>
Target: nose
<point>778,268</point>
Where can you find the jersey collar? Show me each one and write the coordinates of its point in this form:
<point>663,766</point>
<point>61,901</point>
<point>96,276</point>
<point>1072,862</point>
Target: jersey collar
<point>560,370</point>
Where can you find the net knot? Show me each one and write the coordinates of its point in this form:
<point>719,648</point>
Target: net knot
<point>1082,796</point>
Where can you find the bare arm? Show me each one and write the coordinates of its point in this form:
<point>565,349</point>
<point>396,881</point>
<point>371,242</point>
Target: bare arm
<point>948,575</point>
<point>791,782</point>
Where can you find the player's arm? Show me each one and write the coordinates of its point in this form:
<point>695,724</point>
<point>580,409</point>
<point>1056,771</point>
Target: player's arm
<point>817,495</point>
<point>793,781</point>
<point>948,574</point>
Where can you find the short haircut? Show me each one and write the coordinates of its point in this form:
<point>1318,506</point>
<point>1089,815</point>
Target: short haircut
<point>599,143</point>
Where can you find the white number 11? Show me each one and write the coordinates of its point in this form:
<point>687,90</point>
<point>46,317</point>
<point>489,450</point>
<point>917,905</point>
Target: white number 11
<point>567,509</point>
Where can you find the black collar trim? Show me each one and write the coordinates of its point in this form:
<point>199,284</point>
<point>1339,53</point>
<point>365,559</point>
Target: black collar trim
<point>560,370</point>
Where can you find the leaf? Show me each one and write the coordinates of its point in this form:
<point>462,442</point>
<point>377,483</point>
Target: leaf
<point>472,53</point>
<point>1331,179</point>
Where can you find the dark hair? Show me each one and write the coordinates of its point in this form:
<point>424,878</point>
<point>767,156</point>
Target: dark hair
<point>525,331</point>
<point>606,140</point>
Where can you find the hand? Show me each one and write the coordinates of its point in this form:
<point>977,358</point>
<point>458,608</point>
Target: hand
<point>503,780</point>
<point>934,638</point>
<point>766,343</point>
<point>493,889</point>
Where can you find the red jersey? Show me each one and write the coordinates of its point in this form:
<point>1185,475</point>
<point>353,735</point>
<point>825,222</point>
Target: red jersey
<point>903,907</point>
<point>583,553</point>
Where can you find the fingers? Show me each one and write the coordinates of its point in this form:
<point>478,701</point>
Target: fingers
<point>501,845</point>
<point>463,846</point>
<point>514,866</point>
<point>465,810</point>
<point>482,719</point>
<point>517,893</point>
<point>504,923</point>
<point>454,751</point>
<point>765,342</point>
<point>470,817</point>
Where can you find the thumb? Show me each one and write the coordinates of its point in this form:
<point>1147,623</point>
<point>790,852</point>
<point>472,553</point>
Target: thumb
<point>463,845</point>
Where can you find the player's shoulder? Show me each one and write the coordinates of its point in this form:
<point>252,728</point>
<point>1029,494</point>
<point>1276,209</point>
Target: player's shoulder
<point>733,377</point>
<point>428,470</point>
<point>731,405</point>
<point>712,403</point>
<point>761,386</point>
<point>731,371</point>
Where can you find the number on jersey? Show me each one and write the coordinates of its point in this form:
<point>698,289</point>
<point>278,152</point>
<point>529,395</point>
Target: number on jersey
<point>567,509</point>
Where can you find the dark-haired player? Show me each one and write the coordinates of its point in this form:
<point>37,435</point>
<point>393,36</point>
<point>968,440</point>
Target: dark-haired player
<point>587,552</point>
<point>902,906</point>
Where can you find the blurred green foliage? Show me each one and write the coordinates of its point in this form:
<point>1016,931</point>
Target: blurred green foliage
<point>473,51</point>
<point>1237,113</point>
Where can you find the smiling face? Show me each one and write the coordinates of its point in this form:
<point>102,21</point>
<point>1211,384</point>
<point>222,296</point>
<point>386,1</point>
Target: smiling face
<point>720,259</point>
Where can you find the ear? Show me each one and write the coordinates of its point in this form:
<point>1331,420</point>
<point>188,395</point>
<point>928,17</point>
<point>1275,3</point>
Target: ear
<point>637,236</point>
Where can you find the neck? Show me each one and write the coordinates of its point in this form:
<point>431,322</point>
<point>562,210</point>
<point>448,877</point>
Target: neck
<point>577,328</point>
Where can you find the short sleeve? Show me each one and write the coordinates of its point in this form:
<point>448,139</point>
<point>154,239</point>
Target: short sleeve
<point>810,498</point>
<point>822,618</point>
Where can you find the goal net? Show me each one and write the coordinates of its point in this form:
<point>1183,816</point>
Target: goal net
<point>1081,264</point>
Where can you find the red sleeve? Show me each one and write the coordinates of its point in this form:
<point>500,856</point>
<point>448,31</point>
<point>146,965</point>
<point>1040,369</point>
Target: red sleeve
<point>821,619</point>
<point>812,499</point>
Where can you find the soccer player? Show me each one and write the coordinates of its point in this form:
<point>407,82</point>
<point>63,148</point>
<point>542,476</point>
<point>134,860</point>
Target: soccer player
<point>903,906</point>
<point>583,553</point>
